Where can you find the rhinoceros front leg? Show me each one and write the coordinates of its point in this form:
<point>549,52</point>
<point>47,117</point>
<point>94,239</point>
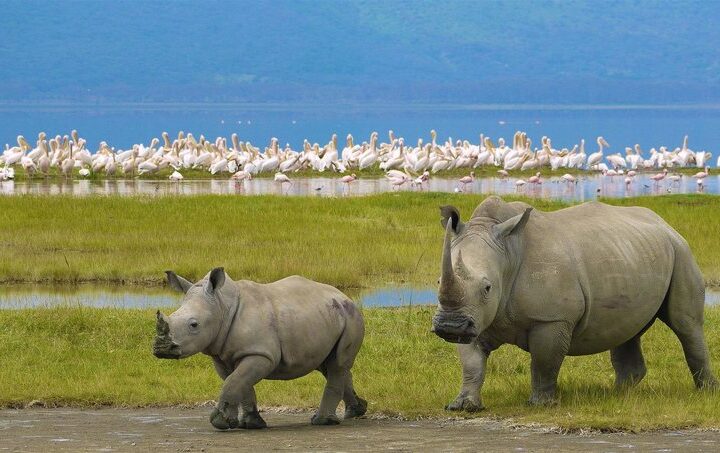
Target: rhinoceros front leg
<point>238,390</point>
<point>473,359</point>
<point>548,344</point>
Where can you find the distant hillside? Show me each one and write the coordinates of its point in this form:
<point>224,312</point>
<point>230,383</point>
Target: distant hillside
<point>363,51</point>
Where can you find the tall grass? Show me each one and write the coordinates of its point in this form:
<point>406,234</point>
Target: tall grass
<point>82,356</point>
<point>347,242</point>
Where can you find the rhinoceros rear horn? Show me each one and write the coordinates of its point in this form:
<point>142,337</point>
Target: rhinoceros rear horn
<point>512,225</point>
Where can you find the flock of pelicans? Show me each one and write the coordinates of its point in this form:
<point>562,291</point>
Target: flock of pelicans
<point>402,164</point>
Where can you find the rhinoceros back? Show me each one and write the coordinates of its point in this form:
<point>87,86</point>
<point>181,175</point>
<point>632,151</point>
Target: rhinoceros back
<point>296,320</point>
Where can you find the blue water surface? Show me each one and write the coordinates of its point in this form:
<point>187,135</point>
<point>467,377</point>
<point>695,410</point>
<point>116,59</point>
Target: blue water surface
<point>566,125</point>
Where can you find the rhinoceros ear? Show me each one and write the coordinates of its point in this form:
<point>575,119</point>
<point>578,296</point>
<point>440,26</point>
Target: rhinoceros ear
<point>451,213</point>
<point>215,281</point>
<point>511,226</point>
<point>177,282</point>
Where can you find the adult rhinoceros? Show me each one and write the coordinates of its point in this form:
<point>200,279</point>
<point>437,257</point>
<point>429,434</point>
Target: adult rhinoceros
<point>581,280</point>
<point>252,331</point>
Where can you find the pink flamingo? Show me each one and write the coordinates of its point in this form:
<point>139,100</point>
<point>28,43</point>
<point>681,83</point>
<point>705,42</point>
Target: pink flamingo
<point>420,180</point>
<point>567,177</point>
<point>702,174</point>
<point>347,179</point>
<point>465,180</point>
<point>535,179</point>
<point>283,179</point>
<point>503,173</point>
<point>659,177</point>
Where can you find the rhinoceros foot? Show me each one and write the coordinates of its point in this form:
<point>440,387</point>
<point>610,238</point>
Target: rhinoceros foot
<point>222,420</point>
<point>317,419</point>
<point>358,410</point>
<point>465,403</point>
<point>543,399</point>
<point>252,420</point>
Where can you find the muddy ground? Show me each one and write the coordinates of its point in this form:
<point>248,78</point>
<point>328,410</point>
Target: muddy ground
<point>181,429</point>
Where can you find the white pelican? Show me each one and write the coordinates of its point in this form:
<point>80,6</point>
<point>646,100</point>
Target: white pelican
<point>596,157</point>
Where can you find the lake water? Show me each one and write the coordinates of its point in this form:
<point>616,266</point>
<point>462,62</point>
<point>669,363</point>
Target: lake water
<point>122,126</point>
<point>16,297</point>
<point>587,187</point>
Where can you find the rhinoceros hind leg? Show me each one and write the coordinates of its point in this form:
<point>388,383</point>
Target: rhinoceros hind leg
<point>318,419</point>
<point>356,410</point>
<point>252,420</point>
<point>629,364</point>
<point>336,369</point>
<point>683,312</point>
<point>697,356</point>
<point>354,405</point>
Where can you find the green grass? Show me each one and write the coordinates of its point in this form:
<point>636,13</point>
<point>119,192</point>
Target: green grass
<point>85,357</point>
<point>347,242</point>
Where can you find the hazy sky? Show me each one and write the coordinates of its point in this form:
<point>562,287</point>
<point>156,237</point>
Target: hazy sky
<point>360,51</point>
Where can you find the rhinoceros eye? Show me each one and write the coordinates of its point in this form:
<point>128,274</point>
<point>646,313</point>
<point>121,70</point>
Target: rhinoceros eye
<point>193,325</point>
<point>487,288</point>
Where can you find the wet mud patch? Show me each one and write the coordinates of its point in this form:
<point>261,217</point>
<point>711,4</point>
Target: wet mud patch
<point>188,429</point>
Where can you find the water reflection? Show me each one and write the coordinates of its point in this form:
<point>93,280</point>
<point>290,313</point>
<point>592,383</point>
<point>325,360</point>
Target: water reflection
<point>16,297</point>
<point>585,188</point>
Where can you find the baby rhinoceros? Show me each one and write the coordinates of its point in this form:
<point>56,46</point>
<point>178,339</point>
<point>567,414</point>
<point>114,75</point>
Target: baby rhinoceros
<point>281,330</point>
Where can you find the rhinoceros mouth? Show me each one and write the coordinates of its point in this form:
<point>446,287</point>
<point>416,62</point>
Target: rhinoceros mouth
<point>165,349</point>
<point>454,327</point>
<point>452,337</point>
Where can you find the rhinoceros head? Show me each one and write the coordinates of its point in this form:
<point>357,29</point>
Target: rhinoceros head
<point>194,326</point>
<point>475,265</point>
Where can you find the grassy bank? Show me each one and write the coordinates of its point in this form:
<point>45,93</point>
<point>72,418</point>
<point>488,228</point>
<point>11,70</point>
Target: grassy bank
<point>81,356</point>
<point>348,242</point>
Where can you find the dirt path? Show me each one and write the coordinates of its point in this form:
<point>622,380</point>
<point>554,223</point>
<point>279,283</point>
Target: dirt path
<point>179,429</point>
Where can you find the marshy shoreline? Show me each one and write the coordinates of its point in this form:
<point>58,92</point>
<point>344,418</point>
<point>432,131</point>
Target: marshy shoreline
<point>97,357</point>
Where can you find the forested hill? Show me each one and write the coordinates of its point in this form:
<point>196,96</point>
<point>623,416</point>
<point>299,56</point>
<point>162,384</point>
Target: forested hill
<point>362,51</point>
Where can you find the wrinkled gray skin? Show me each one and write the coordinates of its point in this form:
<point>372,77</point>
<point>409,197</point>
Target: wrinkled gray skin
<point>582,280</point>
<point>282,330</point>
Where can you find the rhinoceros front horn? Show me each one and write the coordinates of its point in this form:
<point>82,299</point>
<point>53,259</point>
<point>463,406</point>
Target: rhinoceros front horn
<point>451,291</point>
<point>163,328</point>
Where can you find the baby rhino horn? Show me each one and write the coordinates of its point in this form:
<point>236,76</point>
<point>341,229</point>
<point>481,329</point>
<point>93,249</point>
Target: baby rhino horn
<point>163,328</point>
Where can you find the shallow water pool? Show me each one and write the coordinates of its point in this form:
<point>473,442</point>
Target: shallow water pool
<point>18,297</point>
<point>587,187</point>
